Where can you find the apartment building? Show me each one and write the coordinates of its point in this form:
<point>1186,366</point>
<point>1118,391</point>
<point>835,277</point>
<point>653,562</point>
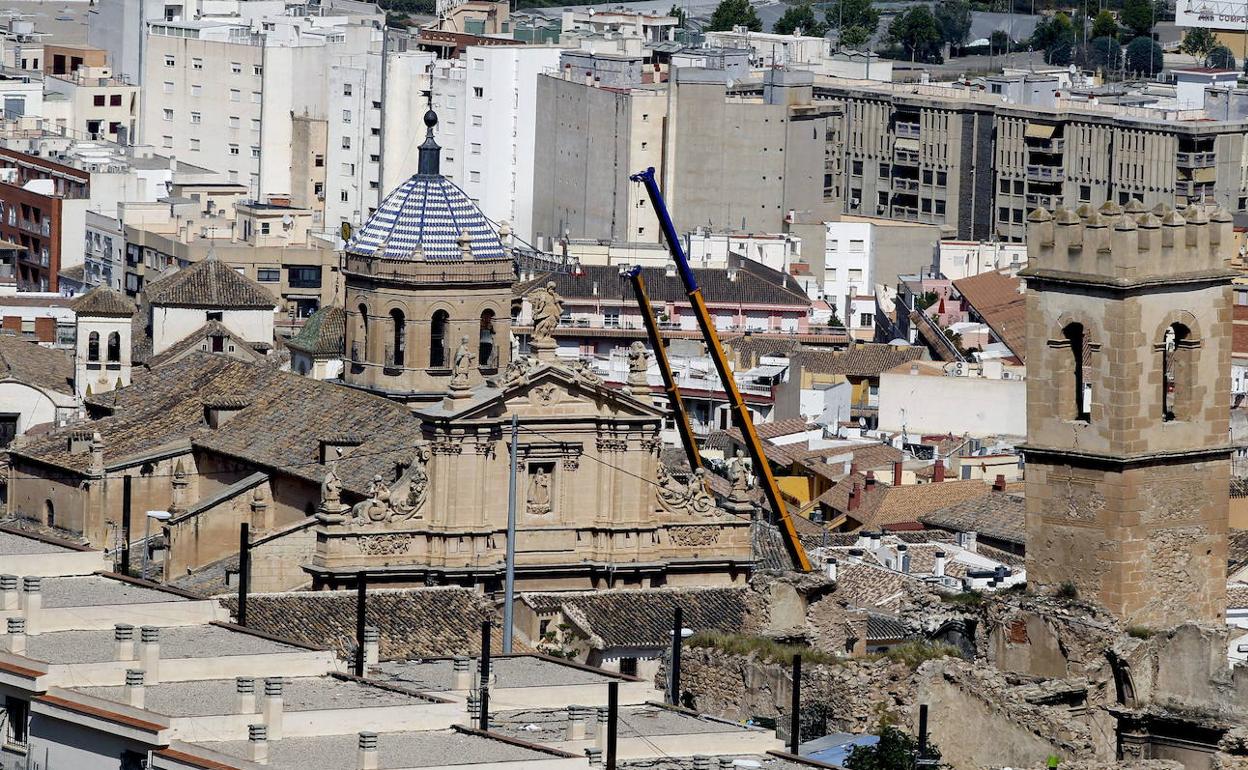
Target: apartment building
<point>43,206</point>
<point>90,103</point>
<point>20,95</point>
<point>973,159</point>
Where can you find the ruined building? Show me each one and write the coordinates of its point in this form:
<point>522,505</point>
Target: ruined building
<point>1128,326</point>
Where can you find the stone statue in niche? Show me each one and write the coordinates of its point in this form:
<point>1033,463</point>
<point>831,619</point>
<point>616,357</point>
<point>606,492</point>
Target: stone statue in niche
<point>331,485</point>
<point>461,367</point>
<point>539,492</point>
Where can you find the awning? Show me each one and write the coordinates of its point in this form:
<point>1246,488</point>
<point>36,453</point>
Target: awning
<point>1039,131</point>
<point>1205,175</point>
<point>907,144</point>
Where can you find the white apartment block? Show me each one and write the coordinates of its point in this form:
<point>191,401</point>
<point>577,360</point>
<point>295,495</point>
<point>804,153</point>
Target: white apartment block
<point>487,105</point>
<point>92,104</point>
<point>962,259</point>
<point>849,251</point>
<point>20,95</point>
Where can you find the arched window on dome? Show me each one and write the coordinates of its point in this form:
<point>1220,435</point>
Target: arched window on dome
<point>487,351</point>
<point>93,346</point>
<point>397,351</point>
<point>437,340</point>
<point>359,348</point>
<point>114,347</point>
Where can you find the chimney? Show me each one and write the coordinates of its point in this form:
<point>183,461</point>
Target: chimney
<point>701,762</point>
<point>461,673</point>
<point>855,556</point>
<point>271,706</point>
<point>576,723</point>
<point>876,538</point>
<point>134,687</point>
<point>123,641</point>
<point>32,602</point>
<point>244,695</point>
<point>870,481</point>
<point>149,653</point>
<point>855,496</point>
<point>897,473</point>
<point>968,541</point>
<point>8,592</point>
<point>366,755</point>
<point>999,484</point>
<point>829,568</point>
<point>853,468</point>
<point>594,755</point>
<point>939,569</point>
<point>604,717</point>
<point>15,642</point>
<point>372,645</point>
<point>258,744</point>
<point>903,558</point>
<point>938,471</point>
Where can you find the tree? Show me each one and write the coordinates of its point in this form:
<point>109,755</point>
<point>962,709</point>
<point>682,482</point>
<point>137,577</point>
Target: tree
<point>896,750</point>
<point>1197,43</point>
<point>844,14</point>
<point>1221,58</point>
<point>998,41</point>
<point>800,17</point>
<point>954,19</point>
<point>682,18</point>
<point>1137,16</point>
<point>854,38</point>
<point>1104,25</point>
<point>1056,37</point>
<point>735,13</point>
<point>1144,57</point>
<point>917,33</point>
<point>1103,53</point>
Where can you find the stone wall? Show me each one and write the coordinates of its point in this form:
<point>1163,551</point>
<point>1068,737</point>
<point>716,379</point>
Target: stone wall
<point>277,559</point>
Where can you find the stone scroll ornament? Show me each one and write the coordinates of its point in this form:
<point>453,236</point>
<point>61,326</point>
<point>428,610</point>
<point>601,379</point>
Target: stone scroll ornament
<point>404,502</point>
<point>678,498</point>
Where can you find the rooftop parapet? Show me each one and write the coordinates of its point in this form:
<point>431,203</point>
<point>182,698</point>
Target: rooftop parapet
<point>1114,245</point>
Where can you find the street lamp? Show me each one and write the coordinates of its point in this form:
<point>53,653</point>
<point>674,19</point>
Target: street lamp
<point>147,527</point>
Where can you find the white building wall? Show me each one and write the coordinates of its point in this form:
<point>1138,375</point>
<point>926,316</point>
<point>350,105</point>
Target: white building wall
<point>978,406</point>
<point>407,76</point>
<point>849,249</point>
<point>173,324</point>
<point>962,259</point>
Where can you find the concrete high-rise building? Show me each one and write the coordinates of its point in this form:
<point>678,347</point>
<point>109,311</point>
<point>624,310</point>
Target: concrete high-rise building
<point>1128,456</point>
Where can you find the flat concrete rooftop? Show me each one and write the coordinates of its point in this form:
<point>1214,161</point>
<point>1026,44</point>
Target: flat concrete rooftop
<point>68,647</point>
<point>212,697</point>
<point>96,591</point>
<point>15,545</point>
<point>518,671</point>
<point>395,750</point>
<point>550,725</point>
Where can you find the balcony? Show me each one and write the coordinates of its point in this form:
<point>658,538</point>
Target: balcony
<point>905,212</point>
<point>1195,159</point>
<point>907,129</point>
<point>40,227</point>
<point>906,157</point>
<point>901,184</point>
<point>1042,201</point>
<point>1056,144</point>
<point>1046,174</point>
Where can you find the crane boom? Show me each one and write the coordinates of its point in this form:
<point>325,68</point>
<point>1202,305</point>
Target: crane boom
<point>665,369</point>
<point>741,415</point>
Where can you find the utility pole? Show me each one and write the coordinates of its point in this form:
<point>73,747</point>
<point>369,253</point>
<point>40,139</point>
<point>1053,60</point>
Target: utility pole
<point>125,525</point>
<point>244,571</point>
<point>509,588</point>
<point>361,593</point>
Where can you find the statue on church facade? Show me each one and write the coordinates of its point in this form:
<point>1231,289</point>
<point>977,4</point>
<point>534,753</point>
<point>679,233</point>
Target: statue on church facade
<point>407,504</point>
<point>376,507</point>
<point>461,366</point>
<point>547,310</point>
<point>539,492</point>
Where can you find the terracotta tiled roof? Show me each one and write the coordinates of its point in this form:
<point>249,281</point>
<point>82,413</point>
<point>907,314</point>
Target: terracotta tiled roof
<point>864,360</point>
<point>103,300</point>
<point>999,516</point>
<point>209,283</point>
<point>871,587</point>
<point>772,430</point>
<point>996,298</point>
<point>1237,596</point>
<point>323,334</point>
<point>643,618</point>
<point>755,284</point>
<point>35,365</point>
<point>1237,549</point>
<point>414,622</point>
<point>887,504</point>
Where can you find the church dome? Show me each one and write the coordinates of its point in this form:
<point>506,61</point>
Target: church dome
<point>426,218</point>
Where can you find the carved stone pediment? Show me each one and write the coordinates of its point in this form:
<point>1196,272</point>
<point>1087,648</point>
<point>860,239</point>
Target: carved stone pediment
<point>388,504</point>
<point>532,386</point>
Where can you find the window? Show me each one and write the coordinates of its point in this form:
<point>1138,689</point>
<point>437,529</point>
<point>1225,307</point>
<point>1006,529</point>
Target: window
<point>884,170</point>
<point>359,348</point>
<point>197,63</point>
<point>476,148</point>
<point>265,228</point>
<point>319,161</point>
<point>1178,369</point>
<point>1003,214</point>
<point>346,116</point>
<point>257,69</point>
<point>942,178</point>
<point>268,274</point>
<point>940,208</point>
<point>1085,193</point>
<point>168,113</point>
<point>194,145</point>
<point>347,169</point>
<point>234,121</point>
<point>114,347</point>
<point>318,189</point>
<point>487,354</point>
<point>233,149</point>
<point>344,196</point>
<point>1080,391</point>
<point>166,141</point>
<point>927,176</point>
<point>93,346</point>
<point>256,97</point>
<point>398,339</point>
<point>235,96</point>
<point>17,711</point>
<point>857,246</point>
<point>478,91</point>
<point>169,61</point>
<point>1018,187</point>
<point>866,319</point>
<point>196,118</point>
<point>255,124</point>
<point>882,199</point>
<point>346,89</point>
<point>255,151</point>
<point>197,89</point>
<point>346,143</point>
<point>437,340</point>
<point>474,176</point>
<point>856,168</point>
<point>476,120</point>
<point>113,126</point>
<point>236,67</point>
<point>98,99</point>
<point>1005,186</point>
<point>855,275</point>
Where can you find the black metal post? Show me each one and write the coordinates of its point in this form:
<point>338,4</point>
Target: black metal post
<point>673,696</point>
<point>795,718</point>
<point>244,570</point>
<point>125,525</point>
<point>485,675</point>
<point>361,589</point>
<point>613,714</point>
<point>922,733</point>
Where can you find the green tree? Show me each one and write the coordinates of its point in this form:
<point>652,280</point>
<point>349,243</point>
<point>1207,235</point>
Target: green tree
<point>1103,53</point>
<point>800,17</point>
<point>998,41</point>
<point>1137,16</point>
<point>896,750</point>
<point>954,19</point>
<point>844,14</point>
<point>682,18</point>
<point>1144,57</point>
<point>1221,57</point>
<point>1197,43</point>
<point>854,38</point>
<point>735,13</point>
<point>1104,25</point>
<point>917,33</point>
<point>1056,37</point>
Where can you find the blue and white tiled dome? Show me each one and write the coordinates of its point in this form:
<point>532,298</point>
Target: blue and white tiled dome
<point>423,218</point>
<point>426,217</point>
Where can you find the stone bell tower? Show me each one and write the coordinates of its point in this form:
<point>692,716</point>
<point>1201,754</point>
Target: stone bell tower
<point>1128,358</point>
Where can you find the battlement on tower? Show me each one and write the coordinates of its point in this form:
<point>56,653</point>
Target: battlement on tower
<point>1130,245</point>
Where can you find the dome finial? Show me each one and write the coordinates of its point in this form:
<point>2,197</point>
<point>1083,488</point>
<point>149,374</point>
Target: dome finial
<point>430,152</point>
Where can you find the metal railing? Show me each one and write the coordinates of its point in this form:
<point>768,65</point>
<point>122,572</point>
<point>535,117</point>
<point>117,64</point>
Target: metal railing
<point>1046,173</point>
<point>1196,159</point>
<point>908,157</point>
<point>907,129</point>
<point>903,184</point>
